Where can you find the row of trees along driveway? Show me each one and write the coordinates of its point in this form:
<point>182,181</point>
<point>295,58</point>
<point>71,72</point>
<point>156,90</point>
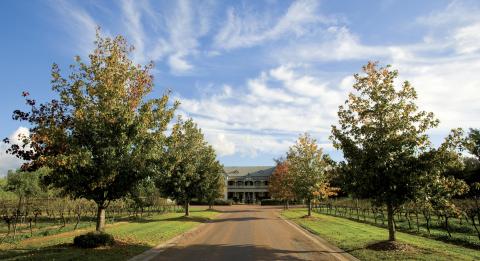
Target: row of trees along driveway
<point>388,157</point>
<point>103,135</point>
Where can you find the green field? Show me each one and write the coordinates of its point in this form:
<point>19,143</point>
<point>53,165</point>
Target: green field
<point>354,237</point>
<point>132,237</point>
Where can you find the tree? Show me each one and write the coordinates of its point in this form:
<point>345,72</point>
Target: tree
<point>281,183</point>
<point>212,182</point>
<point>308,167</point>
<point>472,142</point>
<point>381,133</point>
<point>189,165</point>
<point>438,186</point>
<point>102,136</point>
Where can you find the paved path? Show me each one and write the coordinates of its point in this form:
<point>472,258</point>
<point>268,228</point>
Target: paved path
<point>250,233</point>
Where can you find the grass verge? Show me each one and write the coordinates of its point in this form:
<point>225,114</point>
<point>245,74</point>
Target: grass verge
<point>355,237</point>
<point>132,238</point>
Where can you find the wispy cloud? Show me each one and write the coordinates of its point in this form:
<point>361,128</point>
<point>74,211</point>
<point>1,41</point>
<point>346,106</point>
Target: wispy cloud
<point>79,24</point>
<point>244,28</point>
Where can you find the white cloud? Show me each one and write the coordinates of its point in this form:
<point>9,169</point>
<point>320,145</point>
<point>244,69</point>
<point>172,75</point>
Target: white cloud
<point>247,28</point>
<point>8,161</point>
<point>134,28</point>
<point>268,115</point>
<point>222,145</point>
<point>158,31</point>
<point>78,23</point>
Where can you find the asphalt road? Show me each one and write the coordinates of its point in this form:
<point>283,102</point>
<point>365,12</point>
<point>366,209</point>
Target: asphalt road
<point>250,233</point>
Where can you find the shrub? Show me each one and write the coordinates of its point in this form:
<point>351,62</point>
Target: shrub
<point>271,202</point>
<point>216,202</point>
<point>223,202</point>
<point>93,239</point>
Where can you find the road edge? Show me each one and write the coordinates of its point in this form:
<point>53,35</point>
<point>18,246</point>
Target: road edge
<point>339,253</point>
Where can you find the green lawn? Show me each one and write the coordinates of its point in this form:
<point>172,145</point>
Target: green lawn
<point>133,237</point>
<point>354,237</point>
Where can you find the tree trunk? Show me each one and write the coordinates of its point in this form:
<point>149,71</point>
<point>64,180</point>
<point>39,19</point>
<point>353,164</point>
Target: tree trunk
<point>447,227</point>
<point>187,209</point>
<point>309,202</point>
<point>101,218</point>
<point>391,224</point>
<point>288,205</point>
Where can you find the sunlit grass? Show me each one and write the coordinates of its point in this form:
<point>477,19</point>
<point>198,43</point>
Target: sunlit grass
<point>133,237</point>
<point>354,237</point>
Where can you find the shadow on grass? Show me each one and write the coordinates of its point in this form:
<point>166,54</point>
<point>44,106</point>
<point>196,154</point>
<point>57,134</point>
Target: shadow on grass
<point>239,252</point>
<point>119,251</point>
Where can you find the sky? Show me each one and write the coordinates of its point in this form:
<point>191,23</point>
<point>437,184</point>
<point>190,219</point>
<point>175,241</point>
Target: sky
<point>254,75</point>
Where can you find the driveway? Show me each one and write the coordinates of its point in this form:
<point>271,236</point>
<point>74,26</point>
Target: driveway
<point>248,232</point>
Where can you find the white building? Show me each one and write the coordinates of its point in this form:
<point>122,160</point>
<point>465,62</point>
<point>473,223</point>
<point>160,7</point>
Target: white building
<point>247,184</point>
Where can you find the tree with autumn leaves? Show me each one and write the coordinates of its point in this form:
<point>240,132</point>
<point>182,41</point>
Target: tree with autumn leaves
<point>388,155</point>
<point>304,174</point>
<point>102,137</point>
<point>281,183</point>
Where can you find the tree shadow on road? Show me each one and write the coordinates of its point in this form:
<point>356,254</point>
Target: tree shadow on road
<point>119,251</point>
<point>235,219</point>
<point>238,252</point>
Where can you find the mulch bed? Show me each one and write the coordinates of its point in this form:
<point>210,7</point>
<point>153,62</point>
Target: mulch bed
<point>391,246</point>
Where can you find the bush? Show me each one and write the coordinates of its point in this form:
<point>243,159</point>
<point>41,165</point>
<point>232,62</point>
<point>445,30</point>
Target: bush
<point>271,202</point>
<point>217,202</point>
<point>93,239</point>
<point>223,202</point>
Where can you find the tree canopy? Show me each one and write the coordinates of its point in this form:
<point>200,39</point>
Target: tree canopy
<point>382,134</point>
<point>102,135</point>
<point>190,166</point>
<point>308,166</point>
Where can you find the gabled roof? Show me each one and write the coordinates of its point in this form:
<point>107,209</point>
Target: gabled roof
<point>253,171</point>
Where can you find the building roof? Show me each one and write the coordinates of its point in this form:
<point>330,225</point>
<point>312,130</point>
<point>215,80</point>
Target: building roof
<point>253,171</point>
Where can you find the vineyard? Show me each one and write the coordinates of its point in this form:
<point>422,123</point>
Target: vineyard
<point>45,216</point>
<point>460,226</point>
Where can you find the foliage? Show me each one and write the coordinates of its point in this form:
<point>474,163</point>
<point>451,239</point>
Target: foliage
<point>93,239</point>
<point>190,167</point>
<point>102,136</point>
<point>281,182</point>
<point>25,184</point>
<point>308,167</point>
<point>381,133</point>
<point>144,193</point>
<point>212,182</point>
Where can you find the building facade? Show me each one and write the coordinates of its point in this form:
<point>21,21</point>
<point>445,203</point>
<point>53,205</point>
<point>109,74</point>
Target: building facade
<point>247,184</point>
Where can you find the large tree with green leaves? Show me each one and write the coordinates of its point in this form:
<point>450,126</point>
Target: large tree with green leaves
<point>102,135</point>
<point>212,181</point>
<point>382,133</point>
<point>190,166</point>
<point>308,166</point>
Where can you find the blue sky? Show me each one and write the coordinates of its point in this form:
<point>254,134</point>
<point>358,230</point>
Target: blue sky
<point>253,74</point>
